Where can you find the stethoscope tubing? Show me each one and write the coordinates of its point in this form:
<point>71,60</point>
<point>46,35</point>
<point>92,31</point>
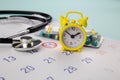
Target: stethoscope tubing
<point>28,14</point>
<point>47,16</point>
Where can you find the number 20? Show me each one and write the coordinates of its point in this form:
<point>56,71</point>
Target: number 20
<point>27,69</point>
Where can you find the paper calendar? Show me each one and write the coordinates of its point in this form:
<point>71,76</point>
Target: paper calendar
<point>50,63</point>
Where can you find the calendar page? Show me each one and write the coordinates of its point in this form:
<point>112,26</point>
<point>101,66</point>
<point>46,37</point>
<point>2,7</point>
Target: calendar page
<point>48,62</point>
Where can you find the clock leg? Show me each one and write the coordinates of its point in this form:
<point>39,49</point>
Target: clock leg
<point>79,50</point>
<point>63,49</point>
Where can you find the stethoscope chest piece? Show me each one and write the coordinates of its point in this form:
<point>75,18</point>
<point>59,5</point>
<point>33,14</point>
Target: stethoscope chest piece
<point>26,43</point>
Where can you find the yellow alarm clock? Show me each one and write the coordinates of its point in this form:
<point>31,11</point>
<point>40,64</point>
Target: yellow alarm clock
<point>72,34</point>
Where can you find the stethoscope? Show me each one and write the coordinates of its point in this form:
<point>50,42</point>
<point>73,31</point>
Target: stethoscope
<point>25,43</point>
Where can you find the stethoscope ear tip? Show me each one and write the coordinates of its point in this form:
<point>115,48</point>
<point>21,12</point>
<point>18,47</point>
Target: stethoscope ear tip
<point>26,43</point>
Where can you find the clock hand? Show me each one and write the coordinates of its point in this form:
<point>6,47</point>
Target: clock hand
<point>68,33</point>
<point>77,34</point>
<point>72,36</point>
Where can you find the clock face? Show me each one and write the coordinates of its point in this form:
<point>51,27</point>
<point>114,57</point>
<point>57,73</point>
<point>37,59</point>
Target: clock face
<point>72,37</point>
